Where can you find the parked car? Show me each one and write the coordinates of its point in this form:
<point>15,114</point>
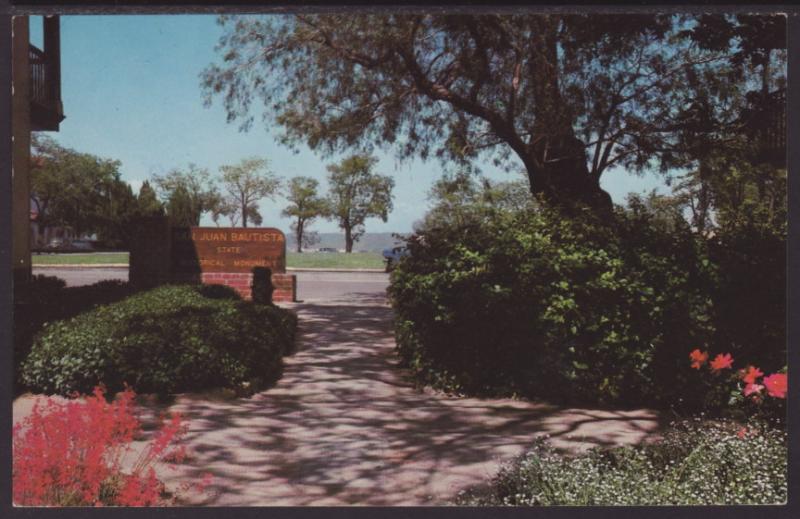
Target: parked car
<point>393,255</point>
<point>57,244</point>
<point>327,249</point>
<point>82,245</point>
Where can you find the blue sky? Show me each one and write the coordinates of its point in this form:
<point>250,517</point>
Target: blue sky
<point>131,91</point>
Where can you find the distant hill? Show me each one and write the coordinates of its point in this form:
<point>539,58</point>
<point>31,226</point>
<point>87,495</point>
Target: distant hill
<point>370,242</point>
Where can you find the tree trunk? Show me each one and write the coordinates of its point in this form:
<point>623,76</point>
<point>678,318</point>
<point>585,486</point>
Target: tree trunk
<point>556,160</point>
<point>299,235</point>
<point>348,240</point>
<point>563,178</point>
<point>703,201</point>
<point>244,213</point>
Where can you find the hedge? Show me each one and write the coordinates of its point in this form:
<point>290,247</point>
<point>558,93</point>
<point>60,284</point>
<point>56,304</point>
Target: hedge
<point>581,310</point>
<point>166,340</point>
<point>46,299</point>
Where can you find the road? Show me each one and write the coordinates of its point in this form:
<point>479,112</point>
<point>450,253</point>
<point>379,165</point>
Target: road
<point>311,286</point>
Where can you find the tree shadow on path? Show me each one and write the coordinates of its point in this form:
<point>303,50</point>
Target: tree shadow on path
<point>345,425</point>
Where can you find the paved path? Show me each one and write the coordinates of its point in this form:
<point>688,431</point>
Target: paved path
<point>344,426</point>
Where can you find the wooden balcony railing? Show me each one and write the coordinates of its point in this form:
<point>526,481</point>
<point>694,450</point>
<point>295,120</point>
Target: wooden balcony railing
<point>45,91</point>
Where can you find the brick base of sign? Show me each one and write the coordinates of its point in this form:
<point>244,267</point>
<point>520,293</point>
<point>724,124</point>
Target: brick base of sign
<point>285,284</point>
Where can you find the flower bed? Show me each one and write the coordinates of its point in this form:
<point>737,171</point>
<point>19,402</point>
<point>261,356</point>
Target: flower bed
<point>74,454</point>
<point>697,462</point>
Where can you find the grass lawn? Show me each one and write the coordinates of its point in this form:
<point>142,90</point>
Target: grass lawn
<point>80,258</point>
<point>334,260</point>
<point>305,260</point>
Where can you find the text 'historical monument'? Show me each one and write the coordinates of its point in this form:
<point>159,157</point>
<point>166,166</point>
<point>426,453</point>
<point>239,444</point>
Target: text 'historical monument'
<point>209,249</point>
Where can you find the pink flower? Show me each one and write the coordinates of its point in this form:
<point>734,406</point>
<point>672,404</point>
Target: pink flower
<point>750,389</point>
<point>721,362</point>
<point>776,385</point>
<point>751,374</point>
<point>698,358</point>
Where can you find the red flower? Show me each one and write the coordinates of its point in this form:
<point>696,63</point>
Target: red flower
<point>65,453</point>
<point>750,389</point>
<point>698,358</point>
<point>751,374</point>
<point>721,362</point>
<point>776,385</point>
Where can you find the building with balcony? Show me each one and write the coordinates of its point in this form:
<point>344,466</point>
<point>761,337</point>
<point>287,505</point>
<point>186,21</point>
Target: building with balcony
<point>35,106</point>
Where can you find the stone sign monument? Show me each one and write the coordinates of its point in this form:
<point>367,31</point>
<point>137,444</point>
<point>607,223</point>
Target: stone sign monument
<point>211,255</point>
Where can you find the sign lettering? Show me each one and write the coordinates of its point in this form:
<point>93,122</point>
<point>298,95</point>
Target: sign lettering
<point>212,249</point>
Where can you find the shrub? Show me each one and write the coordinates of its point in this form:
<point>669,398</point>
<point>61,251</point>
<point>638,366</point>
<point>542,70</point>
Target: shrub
<point>750,294</point>
<point>696,463</point>
<point>573,309</point>
<point>39,289</point>
<point>71,454</point>
<point>166,340</point>
<point>46,299</point>
<point>534,303</point>
<point>219,292</point>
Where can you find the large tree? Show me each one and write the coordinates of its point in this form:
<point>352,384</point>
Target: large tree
<point>80,191</point>
<point>569,96</point>
<point>356,193</point>
<point>190,192</point>
<point>305,206</point>
<point>246,184</point>
<point>460,199</point>
<point>147,202</point>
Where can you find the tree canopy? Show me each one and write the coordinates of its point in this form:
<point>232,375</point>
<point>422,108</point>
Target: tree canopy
<point>246,184</point>
<point>460,199</point>
<point>188,193</point>
<point>305,206</point>
<point>567,96</point>
<point>79,190</point>
<point>148,204</point>
<point>356,193</point>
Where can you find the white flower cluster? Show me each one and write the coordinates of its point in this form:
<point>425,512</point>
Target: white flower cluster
<point>699,463</point>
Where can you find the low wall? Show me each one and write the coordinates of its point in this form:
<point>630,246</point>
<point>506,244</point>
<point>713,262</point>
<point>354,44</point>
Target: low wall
<point>285,284</point>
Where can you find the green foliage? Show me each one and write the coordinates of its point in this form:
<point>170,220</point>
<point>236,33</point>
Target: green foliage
<point>538,304</point>
<point>696,463</point>
<point>750,294</point>
<point>46,299</point>
<point>148,204</point>
<point>462,198</point>
<point>246,184</point>
<point>180,209</point>
<point>219,292</point>
<point>81,191</point>
<point>188,194</point>
<point>581,310</point>
<point>356,193</point>
<point>166,340</point>
<point>304,207</point>
<point>586,94</point>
